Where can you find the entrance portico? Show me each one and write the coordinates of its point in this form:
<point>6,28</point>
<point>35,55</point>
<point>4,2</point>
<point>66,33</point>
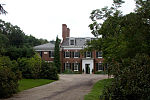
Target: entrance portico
<point>87,65</point>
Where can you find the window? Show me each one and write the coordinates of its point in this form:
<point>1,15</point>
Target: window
<point>45,53</point>
<point>88,40</point>
<point>67,54</point>
<point>71,42</point>
<point>88,54</point>
<point>76,54</point>
<point>76,66</point>
<point>51,54</point>
<point>99,54</point>
<point>40,53</point>
<point>67,66</point>
<point>99,67</point>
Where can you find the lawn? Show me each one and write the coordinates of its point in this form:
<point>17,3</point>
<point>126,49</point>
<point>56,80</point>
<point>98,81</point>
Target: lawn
<point>97,90</point>
<point>25,84</point>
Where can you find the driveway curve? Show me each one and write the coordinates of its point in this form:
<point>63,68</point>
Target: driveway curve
<point>69,87</point>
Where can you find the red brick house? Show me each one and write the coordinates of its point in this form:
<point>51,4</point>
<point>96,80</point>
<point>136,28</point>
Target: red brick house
<point>70,56</point>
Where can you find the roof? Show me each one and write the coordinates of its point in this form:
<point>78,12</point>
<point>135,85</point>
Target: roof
<point>79,42</point>
<point>46,47</point>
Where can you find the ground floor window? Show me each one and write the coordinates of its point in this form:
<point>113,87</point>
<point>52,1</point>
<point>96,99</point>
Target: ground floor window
<point>99,67</point>
<point>51,54</point>
<point>76,66</point>
<point>67,66</point>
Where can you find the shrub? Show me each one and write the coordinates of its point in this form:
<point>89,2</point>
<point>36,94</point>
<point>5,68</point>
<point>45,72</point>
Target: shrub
<point>25,67</point>
<point>132,82</point>
<point>48,71</point>
<point>8,82</point>
<point>9,76</point>
<point>101,72</point>
<point>30,67</point>
<point>68,71</point>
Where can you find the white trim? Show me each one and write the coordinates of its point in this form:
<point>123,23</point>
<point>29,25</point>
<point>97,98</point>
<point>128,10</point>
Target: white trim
<point>45,52</point>
<point>70,41</point>
<point>76,52</point>
<point>87,61</point>
<point>76,66</point>
<point>66,52</point>
<point>73,48</point>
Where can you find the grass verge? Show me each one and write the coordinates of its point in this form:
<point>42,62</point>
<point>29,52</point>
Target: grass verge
<point>97,89</point>
<point>25,84</point>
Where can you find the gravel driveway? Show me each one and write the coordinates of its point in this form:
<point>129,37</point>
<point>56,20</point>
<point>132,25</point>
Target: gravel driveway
<point>69,87</point>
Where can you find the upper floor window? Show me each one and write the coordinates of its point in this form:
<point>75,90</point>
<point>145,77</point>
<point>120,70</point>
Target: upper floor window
<point>99,54</point>
<point>67,54</point>
<point>72,42</point>
<point>88,40</point>
<point>76,54</point>
<point>51,54</point>
<point>88,54</point>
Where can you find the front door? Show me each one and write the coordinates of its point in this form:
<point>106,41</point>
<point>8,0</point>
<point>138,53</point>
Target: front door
<point>87,68</point>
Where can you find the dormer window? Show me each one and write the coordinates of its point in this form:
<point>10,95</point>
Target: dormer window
<point>71,42</point>
<point>88,40</point>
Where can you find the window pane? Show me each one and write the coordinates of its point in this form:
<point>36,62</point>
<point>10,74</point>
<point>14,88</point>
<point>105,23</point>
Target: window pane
<point>67,54</point>
<point>76,54</point>
<point>71,42</point>
<point>99,54</point>
<point>88,54</point>
<point>100,66</point>
<point>76,65</point>
<point>52,53</point>
<point>68,67</point>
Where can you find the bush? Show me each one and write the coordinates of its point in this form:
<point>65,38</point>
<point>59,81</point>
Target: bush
<point>101,72</point>
<point>48,71</point>
<point>30,67</point>
<point>25,67</point>
<point>68,71</point>
<point>8,82</point>
<point>132,82</point>
<point>9,76</point>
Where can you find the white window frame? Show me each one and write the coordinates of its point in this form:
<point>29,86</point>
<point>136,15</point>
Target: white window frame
<point>66,53</point>
<point>100,65</point>
<point>99,54</point>
<point>78,55</point>
<point>90,54</point>
<point>77,66</point>
<point>45,52</point>
<point>51,53</point>
<point>73,41</point>
<point>87,40</point>
<point>67,66</point>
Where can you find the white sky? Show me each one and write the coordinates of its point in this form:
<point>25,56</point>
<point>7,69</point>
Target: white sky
<point>44,18</point>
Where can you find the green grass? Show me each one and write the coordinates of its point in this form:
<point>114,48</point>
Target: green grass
<point>97,89</point>
<point>25,84</point>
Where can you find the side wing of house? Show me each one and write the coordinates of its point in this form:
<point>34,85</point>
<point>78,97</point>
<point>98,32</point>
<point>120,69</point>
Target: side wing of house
<point>46,51</point>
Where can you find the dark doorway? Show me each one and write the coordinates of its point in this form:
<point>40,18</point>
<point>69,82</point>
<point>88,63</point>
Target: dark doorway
<point>87,68</point>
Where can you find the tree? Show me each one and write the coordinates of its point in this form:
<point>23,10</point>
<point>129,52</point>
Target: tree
<point>2,10</point>
<point>57,55</point>
<point>126,49</point>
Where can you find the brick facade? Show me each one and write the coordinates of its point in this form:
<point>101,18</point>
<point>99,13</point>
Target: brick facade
<point>70,56</point>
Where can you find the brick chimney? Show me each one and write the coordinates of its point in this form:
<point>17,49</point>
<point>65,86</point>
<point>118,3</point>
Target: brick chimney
<point>65,31</point>
<point>68,32</point>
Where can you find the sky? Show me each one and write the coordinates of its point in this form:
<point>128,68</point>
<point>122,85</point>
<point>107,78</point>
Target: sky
<point>44,18</point>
